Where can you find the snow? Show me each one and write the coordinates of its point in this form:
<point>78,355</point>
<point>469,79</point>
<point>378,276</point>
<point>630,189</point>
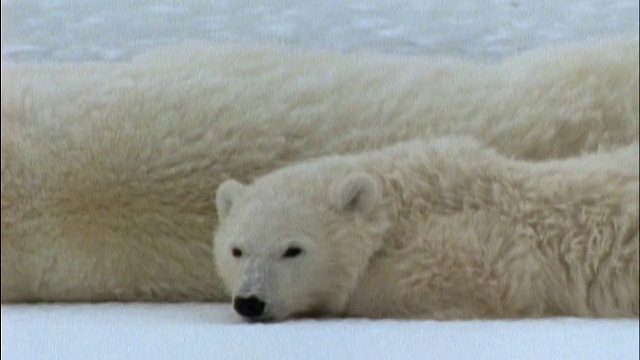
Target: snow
<point>81,30</point>
<point>212,331</point>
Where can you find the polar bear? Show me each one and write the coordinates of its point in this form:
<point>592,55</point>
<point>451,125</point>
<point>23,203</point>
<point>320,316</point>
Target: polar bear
<point>109,169</point>
<point>442,229</point>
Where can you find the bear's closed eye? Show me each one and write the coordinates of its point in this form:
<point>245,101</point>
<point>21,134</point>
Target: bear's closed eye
<point>292,252</point>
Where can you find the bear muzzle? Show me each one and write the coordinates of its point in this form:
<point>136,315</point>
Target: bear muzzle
<point>250,307</point>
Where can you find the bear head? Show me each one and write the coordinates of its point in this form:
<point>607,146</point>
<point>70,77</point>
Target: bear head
<point>295,242</point>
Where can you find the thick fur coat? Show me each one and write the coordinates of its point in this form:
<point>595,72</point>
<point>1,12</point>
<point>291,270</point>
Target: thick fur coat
<point>109,170</point>
<point>443,229</point>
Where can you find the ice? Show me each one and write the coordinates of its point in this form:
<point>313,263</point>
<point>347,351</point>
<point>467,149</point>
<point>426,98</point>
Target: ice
<point>80,30</point>
<point>212,331</point>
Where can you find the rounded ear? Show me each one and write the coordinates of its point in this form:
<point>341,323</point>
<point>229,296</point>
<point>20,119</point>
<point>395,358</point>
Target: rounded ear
<point>226,194</point>
<point>357,193</point>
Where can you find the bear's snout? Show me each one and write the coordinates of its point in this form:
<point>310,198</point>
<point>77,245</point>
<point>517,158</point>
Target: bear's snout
<point>250,307</point>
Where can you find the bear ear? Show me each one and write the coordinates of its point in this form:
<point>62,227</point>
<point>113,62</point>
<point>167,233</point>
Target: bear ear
<point>226,194</point>
<point>357,193</point>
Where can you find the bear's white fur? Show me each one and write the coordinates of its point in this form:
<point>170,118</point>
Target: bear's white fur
<point>109,169</point>
<point>439,229</point>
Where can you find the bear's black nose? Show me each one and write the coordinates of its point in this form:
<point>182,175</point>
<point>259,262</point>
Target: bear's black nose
<point>250,307</point>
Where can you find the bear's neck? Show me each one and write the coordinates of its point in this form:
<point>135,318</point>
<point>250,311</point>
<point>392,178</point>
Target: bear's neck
<point>426,191</point>
<point>420,182</point>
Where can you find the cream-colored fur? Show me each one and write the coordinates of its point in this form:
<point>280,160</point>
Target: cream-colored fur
<point>109,169</point>
<point>439,229</point>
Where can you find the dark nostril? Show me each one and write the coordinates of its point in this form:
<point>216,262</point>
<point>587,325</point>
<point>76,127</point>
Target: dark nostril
<point>250,307</point>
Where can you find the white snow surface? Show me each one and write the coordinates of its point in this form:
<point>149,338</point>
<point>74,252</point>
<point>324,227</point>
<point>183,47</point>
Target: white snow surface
<point>115,30</point>
<point>212,331</point>
<point>80,30</point>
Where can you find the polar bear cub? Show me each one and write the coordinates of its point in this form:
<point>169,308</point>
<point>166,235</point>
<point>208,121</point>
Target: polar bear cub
<point>437,229</point>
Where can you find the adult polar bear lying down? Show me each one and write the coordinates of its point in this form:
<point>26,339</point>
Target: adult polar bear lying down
<point>109,170</point>
<point>437,229</point>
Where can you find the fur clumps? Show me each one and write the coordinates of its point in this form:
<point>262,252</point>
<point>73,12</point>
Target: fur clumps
<point>109,169</point>
<point>441,229</point>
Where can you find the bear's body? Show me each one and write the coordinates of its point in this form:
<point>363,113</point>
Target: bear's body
<point>438,229</point>
<point>109,170</point>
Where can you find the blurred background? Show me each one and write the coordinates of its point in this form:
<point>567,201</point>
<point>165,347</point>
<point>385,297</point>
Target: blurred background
<point>115,30</point>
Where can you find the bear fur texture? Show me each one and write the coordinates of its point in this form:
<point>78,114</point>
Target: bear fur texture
<point>442,229</point>
<point>109,170</point>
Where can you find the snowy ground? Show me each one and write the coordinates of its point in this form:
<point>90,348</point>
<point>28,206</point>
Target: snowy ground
<point>484,29</point>
<point>200,331</point>
<point>81,30</point>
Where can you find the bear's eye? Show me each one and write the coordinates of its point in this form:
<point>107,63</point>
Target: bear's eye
<point>292,252</point>
<point>236,252</point>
